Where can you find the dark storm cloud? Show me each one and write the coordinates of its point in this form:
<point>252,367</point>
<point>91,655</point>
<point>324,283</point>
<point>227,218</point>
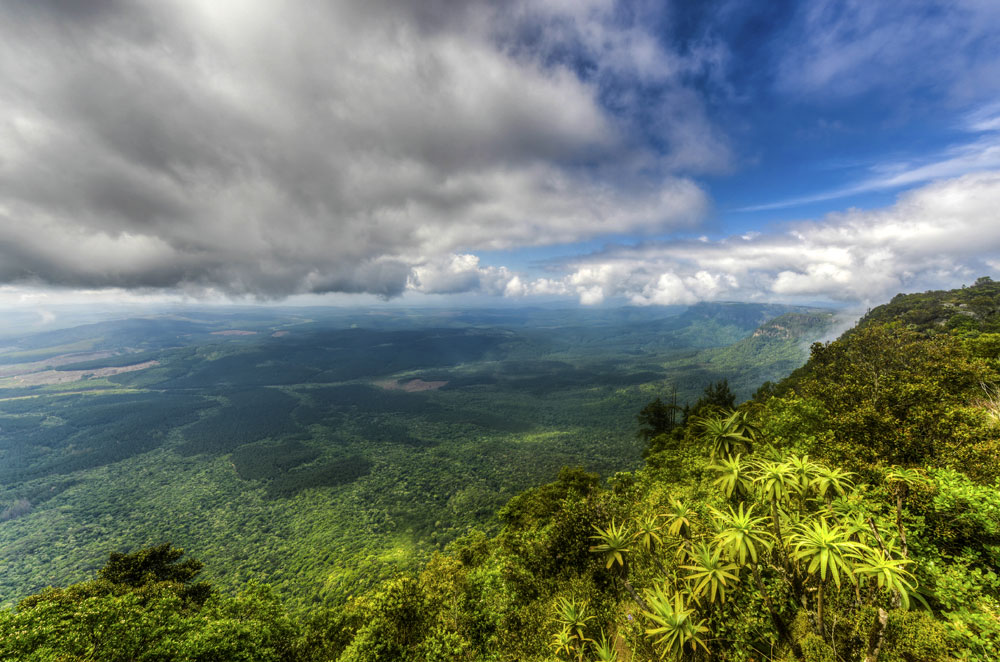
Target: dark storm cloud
<point>269,149</point>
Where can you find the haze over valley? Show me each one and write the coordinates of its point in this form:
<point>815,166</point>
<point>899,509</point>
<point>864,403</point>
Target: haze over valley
<point>323,449</point>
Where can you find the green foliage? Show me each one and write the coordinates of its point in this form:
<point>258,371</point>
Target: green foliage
<point>887,573</point>
<point>917,636</point>
<point>791,549</point>
<point>679,518</point>
<point>708,574</point>
<point>733,477</point>
<point>647,532</point>
<point>724,432</point>
<point>604,650</point>
<point>674,626</point>
<point>140,608</point>
<point>262,462</point>
<point>612,544</point>
<point>574,619</point>
<point>658,418</point>
<point>894,396</point>
<point>928,312</point>
<point>962,514</point>
<point>741,535</point>
<point>796,424</point>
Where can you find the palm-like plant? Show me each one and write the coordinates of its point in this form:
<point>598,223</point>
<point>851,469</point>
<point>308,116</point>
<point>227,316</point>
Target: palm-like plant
<point>679,519</point>
<point>827,550</point>
<point>829,482</point>
<point>725,433</point>
<point>888,573</point>
<point>613,543</point>
<point>709,573</point>
<point>673,623</point>
<point>563,642</point>
<point>775,480</point>
<point>910,477</point>
<point>741,534</point>
<point>604,650</point>
<point>901,481</point>
<point>573,617</point>
<point>733,477</point>
<point>804,472</point>
<point>647,532</point>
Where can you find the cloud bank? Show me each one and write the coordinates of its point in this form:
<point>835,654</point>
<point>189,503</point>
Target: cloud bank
<point>271,149</point>
<point>941,235</point>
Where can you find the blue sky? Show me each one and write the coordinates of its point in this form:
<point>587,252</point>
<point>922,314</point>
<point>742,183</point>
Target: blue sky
<point>643,153</point>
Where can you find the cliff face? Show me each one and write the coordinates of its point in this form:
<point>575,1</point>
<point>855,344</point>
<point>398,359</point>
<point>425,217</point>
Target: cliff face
<point>796,325</point>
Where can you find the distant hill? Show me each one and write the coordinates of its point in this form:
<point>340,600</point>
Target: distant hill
<point>974,308</point>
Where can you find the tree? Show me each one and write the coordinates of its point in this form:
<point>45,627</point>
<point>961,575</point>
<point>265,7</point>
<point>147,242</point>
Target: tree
<point>828,551</point>
<point>140,609</point>
<point>734,479</point>
<point>160,563</point>
<point>658,417</point>
<point>716,397</point>
<point>901,481</point>
<point>153,564</point>
<point>709,572</point>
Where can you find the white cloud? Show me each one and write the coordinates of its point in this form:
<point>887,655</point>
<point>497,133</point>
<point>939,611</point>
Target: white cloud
<point>273,149</point>
<point>941,235</point>
<point>454,274</point>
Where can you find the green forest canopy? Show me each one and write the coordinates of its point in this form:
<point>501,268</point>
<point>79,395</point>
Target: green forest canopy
<point>849,512</point>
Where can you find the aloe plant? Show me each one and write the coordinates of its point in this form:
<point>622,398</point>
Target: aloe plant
<point>827,550</point>
<point>733,478</point>
<point>710,573</point>
<point>674,623</point>
<point>614,543</point>
<point>742,535</point>
<point>888,574</point>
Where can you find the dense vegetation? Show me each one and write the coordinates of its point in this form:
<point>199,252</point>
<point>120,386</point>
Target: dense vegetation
<point>280,446</point>
<point>849,512</point>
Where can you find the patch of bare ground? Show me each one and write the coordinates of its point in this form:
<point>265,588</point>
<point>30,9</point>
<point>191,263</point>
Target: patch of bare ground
<point>66,376</point>
<point>62,359</point>
<point>412,386</point>
<point>279,334</point>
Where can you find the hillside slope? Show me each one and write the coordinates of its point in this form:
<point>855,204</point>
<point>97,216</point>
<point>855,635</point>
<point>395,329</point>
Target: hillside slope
<point>848,513</point>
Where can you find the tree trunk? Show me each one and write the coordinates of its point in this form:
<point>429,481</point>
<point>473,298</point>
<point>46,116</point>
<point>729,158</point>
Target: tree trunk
<point>779,623</point>
<point>635,596</point>
<point>900,494</point>
<point>878,633</point>
<point>820,627</point>
<point>776,518</point>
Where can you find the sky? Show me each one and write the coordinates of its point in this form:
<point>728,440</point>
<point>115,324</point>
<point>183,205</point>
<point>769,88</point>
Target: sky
<point>592,151</point>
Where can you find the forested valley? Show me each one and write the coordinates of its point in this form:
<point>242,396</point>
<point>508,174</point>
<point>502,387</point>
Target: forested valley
<point>847,511</point>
